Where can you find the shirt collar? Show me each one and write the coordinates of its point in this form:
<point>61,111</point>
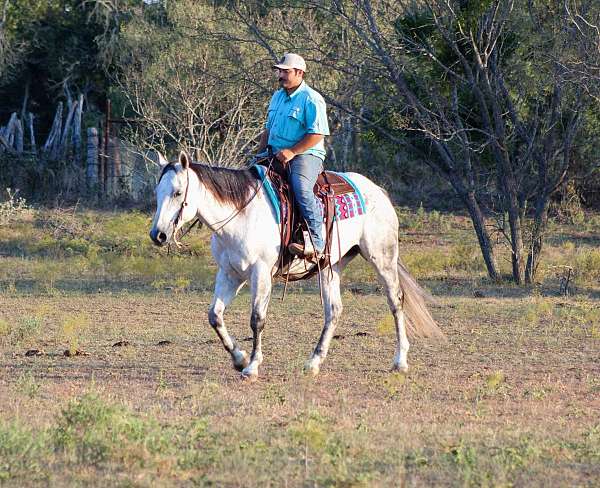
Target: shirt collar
<point>300,88</point>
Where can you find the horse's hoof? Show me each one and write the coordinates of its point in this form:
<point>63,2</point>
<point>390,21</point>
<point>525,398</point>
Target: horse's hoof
<point>249,376</point>
<point>400,368</point>
<point>241,361</point>
<point>312,368</point>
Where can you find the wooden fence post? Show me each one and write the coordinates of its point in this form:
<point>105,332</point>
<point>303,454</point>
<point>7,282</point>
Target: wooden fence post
<point>76,138</point>
<point>91,170</point>
<point>50,145</point>
<point>19,136</point>
<point>31,134</point>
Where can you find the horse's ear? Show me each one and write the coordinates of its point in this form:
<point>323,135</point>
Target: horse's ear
<point>184,159</point>
<point>162,161</point>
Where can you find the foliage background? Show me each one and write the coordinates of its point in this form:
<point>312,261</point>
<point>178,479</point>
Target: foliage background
<point>487,105</point>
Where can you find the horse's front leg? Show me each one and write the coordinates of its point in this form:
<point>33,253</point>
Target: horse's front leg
<point>332,307</point>
<point>260,285</point>
<point>226,288</point>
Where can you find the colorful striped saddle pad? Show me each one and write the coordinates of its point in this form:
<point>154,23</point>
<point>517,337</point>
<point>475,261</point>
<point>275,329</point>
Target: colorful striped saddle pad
<point>348,199</point>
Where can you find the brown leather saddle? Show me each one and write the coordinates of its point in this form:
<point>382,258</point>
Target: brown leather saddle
<point>328,185</point>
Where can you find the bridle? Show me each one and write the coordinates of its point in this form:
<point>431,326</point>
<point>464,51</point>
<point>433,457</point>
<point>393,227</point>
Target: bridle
<point>223,222</point>
<point>181,209</point>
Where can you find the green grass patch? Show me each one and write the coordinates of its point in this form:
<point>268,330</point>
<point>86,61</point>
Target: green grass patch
<point>92,434</point>
<point>22,331</point>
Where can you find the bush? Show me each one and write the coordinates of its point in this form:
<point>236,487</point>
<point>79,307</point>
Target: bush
<point>13,208</point>
<point>587,265</point>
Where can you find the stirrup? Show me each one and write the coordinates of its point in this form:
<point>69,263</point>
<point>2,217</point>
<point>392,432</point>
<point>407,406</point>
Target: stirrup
<point>305,250</point>
<point>301,250</point>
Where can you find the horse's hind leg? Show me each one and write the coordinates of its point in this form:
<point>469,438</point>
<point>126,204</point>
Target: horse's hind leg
<point>226,288</point>
<point>332,305</point>
<point>261,293</point>
<point>384,257</point>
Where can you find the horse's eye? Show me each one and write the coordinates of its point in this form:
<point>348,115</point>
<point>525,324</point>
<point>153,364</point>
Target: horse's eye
<point>177,193</point>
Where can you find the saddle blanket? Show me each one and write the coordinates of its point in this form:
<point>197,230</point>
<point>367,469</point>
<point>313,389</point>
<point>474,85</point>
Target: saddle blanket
<point>347,205</point>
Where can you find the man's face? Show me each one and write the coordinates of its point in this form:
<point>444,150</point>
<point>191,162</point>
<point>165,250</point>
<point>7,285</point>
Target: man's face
<point>289,78</point>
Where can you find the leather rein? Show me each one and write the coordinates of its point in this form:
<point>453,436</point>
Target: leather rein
<point>223,222</point>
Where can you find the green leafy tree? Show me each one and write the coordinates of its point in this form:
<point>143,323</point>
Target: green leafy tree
<point>476,89</point>
<point>62,47</point>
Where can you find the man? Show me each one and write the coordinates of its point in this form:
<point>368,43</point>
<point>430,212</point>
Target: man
<point>296,127</point>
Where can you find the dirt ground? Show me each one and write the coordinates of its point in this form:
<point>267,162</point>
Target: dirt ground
<point>498,389</point>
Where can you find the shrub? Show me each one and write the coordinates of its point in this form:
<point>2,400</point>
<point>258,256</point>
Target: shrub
<point>26,328</point>
<point>91,431</point>
<point>421,220</point>
<point>465,257</point>
<point>13,208</point>
<point>587,264</point>
<point>73,327</point>
<point>21,452</point>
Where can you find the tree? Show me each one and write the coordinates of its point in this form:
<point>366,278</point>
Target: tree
<point>582,19</point>
<point>62,47</point>
<point>10,50</point>
<point>186,90</point>
<point>477,88</point>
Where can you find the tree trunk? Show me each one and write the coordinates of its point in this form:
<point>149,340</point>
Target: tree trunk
<point>346,141</point>
<point>537,237</point>
<point>516,241</point>
<point>25,101</point>
<point>511,199</point>
<point>9,130</point>
<point>19,136</point>
<point>486,245</point>
<point>469,198</point>
<point>356,128</point>
<point>64,146</point>
<point>50,144</point>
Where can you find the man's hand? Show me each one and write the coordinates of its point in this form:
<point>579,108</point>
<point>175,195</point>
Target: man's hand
<point>285,155</point>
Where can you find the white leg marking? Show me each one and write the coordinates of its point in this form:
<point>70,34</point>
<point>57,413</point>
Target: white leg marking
<point>332,307</point>
<point>402,345</point>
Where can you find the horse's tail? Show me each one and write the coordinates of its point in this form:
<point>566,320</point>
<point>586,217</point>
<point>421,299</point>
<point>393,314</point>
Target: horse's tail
<point>420,323</point>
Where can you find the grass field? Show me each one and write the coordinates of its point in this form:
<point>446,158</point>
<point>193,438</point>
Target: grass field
<point>111,376</point>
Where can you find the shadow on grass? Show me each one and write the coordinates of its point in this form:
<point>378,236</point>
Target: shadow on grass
<point>444,287</point>
<point>30,286</point>
<point>56,367</point>
<point>581,238</point>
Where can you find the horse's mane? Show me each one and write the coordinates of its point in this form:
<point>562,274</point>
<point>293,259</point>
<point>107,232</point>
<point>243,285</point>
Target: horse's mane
<point>228,186</point>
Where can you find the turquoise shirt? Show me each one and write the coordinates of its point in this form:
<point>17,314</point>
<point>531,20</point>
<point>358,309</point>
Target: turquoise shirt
<point>293,116</point>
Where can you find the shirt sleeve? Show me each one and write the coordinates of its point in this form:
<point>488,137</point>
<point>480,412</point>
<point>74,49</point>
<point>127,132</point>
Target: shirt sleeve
<point>316,116</point>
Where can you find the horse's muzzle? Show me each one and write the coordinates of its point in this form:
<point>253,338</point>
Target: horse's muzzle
<point>159,238</point>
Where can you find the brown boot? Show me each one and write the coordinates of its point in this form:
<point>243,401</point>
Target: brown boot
<point>305,250</point>
<point>301,250</point>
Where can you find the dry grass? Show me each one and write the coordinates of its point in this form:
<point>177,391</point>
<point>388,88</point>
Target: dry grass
<point>511,400</point>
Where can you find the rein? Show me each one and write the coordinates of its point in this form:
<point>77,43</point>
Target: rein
<point>180,213</point>
<point>223,222</point>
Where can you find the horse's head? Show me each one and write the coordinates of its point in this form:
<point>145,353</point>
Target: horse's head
<point>173,193</point>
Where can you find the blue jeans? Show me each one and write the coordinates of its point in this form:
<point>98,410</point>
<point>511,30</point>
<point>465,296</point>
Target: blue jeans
<point>304,170</point>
